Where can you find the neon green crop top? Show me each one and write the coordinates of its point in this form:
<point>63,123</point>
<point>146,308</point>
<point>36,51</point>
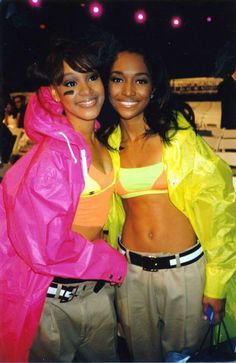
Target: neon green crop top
<point>134,182</point>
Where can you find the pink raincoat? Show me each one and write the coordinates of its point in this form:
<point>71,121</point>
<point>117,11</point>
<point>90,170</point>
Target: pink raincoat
<point>38,199</point>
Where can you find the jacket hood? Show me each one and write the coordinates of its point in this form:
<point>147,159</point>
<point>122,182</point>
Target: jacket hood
<point>44,117</point>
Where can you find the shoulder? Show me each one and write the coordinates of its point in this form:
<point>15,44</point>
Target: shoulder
<point>49,165</point>
<point>188,151</point>
<point>185,133</point>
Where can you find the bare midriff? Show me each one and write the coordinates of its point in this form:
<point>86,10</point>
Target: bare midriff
<point>154,224</point>
<point>90,233</point>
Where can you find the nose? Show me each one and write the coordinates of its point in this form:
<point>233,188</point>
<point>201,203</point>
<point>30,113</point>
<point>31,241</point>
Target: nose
<point>84,88</point>
<point>128,89</point>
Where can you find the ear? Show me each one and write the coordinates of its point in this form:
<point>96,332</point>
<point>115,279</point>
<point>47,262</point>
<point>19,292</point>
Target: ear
<point>54,94</point>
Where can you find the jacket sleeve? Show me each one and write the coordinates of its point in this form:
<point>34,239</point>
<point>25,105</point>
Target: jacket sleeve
<point>213,216</point>
<point>116,214</point>
<point>40,209</point>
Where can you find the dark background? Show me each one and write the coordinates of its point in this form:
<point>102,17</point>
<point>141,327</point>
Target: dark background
<point>189,51</point>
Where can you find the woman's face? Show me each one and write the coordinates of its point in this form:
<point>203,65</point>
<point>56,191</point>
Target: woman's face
<point>130,85</point>
<point>81,94</point>
<point>8,107</point>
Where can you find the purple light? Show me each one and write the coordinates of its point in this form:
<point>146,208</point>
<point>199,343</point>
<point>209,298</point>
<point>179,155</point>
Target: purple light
<point>95,10</point>
<point>140,16</point>
<point>209,19</point>
<point>176,22</point>
<point>35,3</point>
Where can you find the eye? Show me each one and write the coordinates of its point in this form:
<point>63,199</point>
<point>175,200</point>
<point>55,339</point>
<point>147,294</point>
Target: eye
<point>93,77</point>
<point>69,84</point>
<point>142,81</point>
<point>116,79</point>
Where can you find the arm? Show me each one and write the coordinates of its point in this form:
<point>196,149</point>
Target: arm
<point>214,208</point>
<point>200,185</point>
<point>40,210</point>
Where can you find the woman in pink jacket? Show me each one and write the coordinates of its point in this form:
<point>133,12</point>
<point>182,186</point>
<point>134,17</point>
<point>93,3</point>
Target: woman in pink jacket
<point>54,204</point>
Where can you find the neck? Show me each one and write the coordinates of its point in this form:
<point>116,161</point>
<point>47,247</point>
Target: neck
<point>88,134</point>
<point>133,130</point>
<point>85,128</point>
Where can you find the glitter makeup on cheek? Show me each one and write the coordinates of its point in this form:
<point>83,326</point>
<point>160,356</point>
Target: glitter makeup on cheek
<point>71,92</point>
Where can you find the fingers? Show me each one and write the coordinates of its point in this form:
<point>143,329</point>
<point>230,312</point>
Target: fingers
<point>213,309</point>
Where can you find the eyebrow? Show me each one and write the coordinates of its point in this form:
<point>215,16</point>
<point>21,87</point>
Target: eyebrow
<point>68,74</point>
<point>136,74</point>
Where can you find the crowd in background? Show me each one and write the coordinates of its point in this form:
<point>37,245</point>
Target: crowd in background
<point>12,118</point>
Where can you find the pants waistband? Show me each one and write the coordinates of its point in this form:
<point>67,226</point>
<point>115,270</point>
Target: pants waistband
<point>62,280</point>
<point>67,293</point>
<point>153,263</point>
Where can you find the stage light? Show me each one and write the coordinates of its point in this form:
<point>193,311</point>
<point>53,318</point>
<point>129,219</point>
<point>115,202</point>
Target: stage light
<point>176,22</point>
<point>42,26</point>
<point>140,16</point>
<point>209,19</point>
<point>95,10</point>
<point>35,3</point>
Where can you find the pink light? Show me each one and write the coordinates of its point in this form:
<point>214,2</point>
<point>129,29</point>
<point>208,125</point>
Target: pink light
<point>95,10</point>
<point>140,16</point>
<point>209,19</point>
<point>176,22</point>
<point>35,3</point>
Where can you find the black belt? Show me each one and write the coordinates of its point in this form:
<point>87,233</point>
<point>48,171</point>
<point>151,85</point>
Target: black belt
<point>152,263</point>
<point>62,280</point>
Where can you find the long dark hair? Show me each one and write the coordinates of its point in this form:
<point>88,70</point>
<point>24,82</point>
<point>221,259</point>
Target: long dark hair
<point>161,114</point>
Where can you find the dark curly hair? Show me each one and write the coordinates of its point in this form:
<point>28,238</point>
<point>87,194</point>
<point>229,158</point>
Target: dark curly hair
<point>162,111</point>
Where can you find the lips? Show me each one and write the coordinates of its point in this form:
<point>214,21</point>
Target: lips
<point>128,104</point>
<point>88,103</point>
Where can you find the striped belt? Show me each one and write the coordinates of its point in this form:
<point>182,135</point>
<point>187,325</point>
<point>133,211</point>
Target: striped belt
<point>67,293</point>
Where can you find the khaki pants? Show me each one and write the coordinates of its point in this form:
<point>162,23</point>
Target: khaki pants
<point>162,311</point>
<point>84,329</point>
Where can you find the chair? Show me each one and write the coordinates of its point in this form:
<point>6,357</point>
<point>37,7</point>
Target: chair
<point>234,183</point>
<point>229,134</point>
<point>227,144</point>
<point>213,141</point>
<point>217,131</point>
<point>228,156</point>
<point>212,131</point>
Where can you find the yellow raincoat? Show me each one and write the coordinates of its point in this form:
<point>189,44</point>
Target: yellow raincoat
<point>200,186</point>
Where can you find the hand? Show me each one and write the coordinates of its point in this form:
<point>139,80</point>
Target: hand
<point>218,306</point>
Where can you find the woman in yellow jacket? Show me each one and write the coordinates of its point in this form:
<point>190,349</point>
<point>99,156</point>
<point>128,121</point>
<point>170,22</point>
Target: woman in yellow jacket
<point>177,215</point>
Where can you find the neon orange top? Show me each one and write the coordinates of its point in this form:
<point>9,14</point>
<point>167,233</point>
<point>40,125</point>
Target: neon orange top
<point>94,203</point>
<point>134,182</point>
